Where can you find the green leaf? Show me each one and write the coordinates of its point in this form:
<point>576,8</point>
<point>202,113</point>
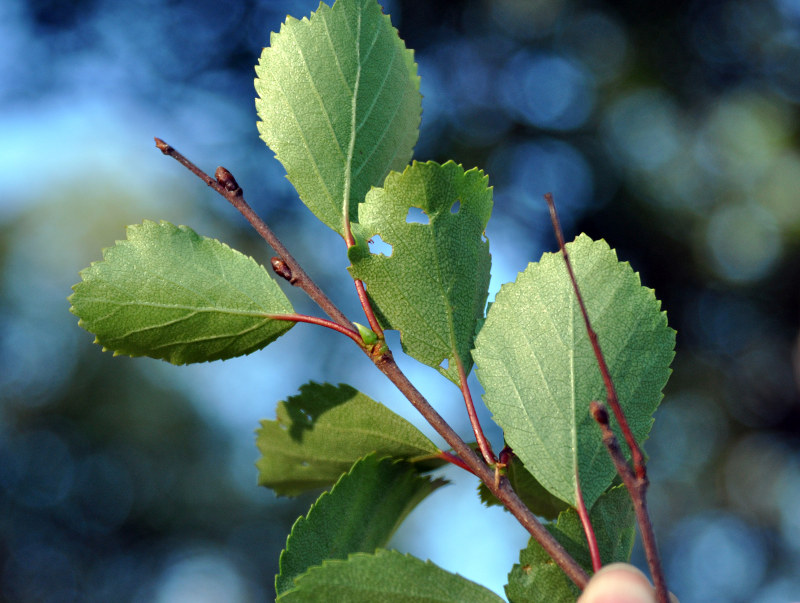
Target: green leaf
<point>388,577</point>
<point>536,364</point>
<point>532,493</point>
<point>359,514</point>
<point>433,287</point>
<point>321,432</point>
<point>168,293</point>
<point>339,105</point>
<point>536,578</point>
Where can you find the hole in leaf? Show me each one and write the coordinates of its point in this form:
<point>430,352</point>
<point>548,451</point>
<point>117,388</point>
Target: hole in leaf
<point>417,216</point>
<point>455,207</point>
<point>444,365</point>
<point>304,463</point>
<point>377,246</point>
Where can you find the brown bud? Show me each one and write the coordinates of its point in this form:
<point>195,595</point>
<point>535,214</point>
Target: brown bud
<point>163,146</point>
<point>281,268</point>
<point>599,412</point>
<point>226,179</point>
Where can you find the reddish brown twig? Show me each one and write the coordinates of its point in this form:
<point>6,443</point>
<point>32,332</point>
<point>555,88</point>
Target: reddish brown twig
<point>635,479</point>
<point>384,361</point>
<point>637,488</point>
<point>636,452</point>
<point>588,530</point>
<point>236,198</point>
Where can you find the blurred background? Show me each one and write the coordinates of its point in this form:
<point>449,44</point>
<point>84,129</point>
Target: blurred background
<point>668,128</point>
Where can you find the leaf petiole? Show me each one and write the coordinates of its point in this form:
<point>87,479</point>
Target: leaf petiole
<point>323,322</point>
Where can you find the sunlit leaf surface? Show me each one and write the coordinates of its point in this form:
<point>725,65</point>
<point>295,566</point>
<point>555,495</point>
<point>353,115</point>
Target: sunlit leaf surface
<point>168,293</point>
<point>536,364</point>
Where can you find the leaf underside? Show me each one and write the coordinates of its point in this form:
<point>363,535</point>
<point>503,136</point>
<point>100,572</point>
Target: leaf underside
<point>168,293</point>
<point>536,578</point>
<point>359,514</point>
<point>339,104</point>
<point>321,432</point>
<point>536,364</point>
<point>388,577</point>
<point>433,287</point>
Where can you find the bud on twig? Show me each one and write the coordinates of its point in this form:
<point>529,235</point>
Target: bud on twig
<point>282,269</point>
<point>227,181</point>
<point>599,412</point>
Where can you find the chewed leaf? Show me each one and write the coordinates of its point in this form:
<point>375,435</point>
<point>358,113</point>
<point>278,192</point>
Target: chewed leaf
<point>339,105</point>
<point>168,293</point>
<point>433,287</point>
<point>535,362</point>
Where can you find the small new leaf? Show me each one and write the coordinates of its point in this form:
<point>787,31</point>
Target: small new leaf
<point>321,432</point>
<point>168,293</point>
<point>368,336</point>
<point>535,362</point>
<point>359,514</point>
<point>385,576</point>
<point>339,105</point>
<point>433,287</point>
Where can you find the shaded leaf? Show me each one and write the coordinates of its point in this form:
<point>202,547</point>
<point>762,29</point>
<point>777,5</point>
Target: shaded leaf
<point>532,493</point>
<point>359,514</point>
<point>388,577</point>
<point>321,432</point>
<point>539,373</point>
<point>168,293</point>
<point>433,287</point>
<point>537,578</point>
<point>339,104</point>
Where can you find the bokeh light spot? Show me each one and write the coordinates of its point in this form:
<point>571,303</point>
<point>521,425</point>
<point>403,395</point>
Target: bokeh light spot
<point>548,90</point>
<point>743,241</point>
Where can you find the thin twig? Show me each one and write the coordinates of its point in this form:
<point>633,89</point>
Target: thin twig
<point>483,443</point>
<point>637,488</point>
<point>636,452</point>
<point>226,186</point>
<point>635,480</point>
<point>501,489</point>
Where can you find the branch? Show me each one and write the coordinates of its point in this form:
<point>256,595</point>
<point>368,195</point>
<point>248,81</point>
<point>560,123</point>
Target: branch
<point>288,268</point>
<point>635,480</point>
<point>613,401</point>
<point>637,488</point>
<point>226,185</point>
<point>501,488</point>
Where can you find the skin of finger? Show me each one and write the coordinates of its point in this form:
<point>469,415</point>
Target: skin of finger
<point>620,583</point>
